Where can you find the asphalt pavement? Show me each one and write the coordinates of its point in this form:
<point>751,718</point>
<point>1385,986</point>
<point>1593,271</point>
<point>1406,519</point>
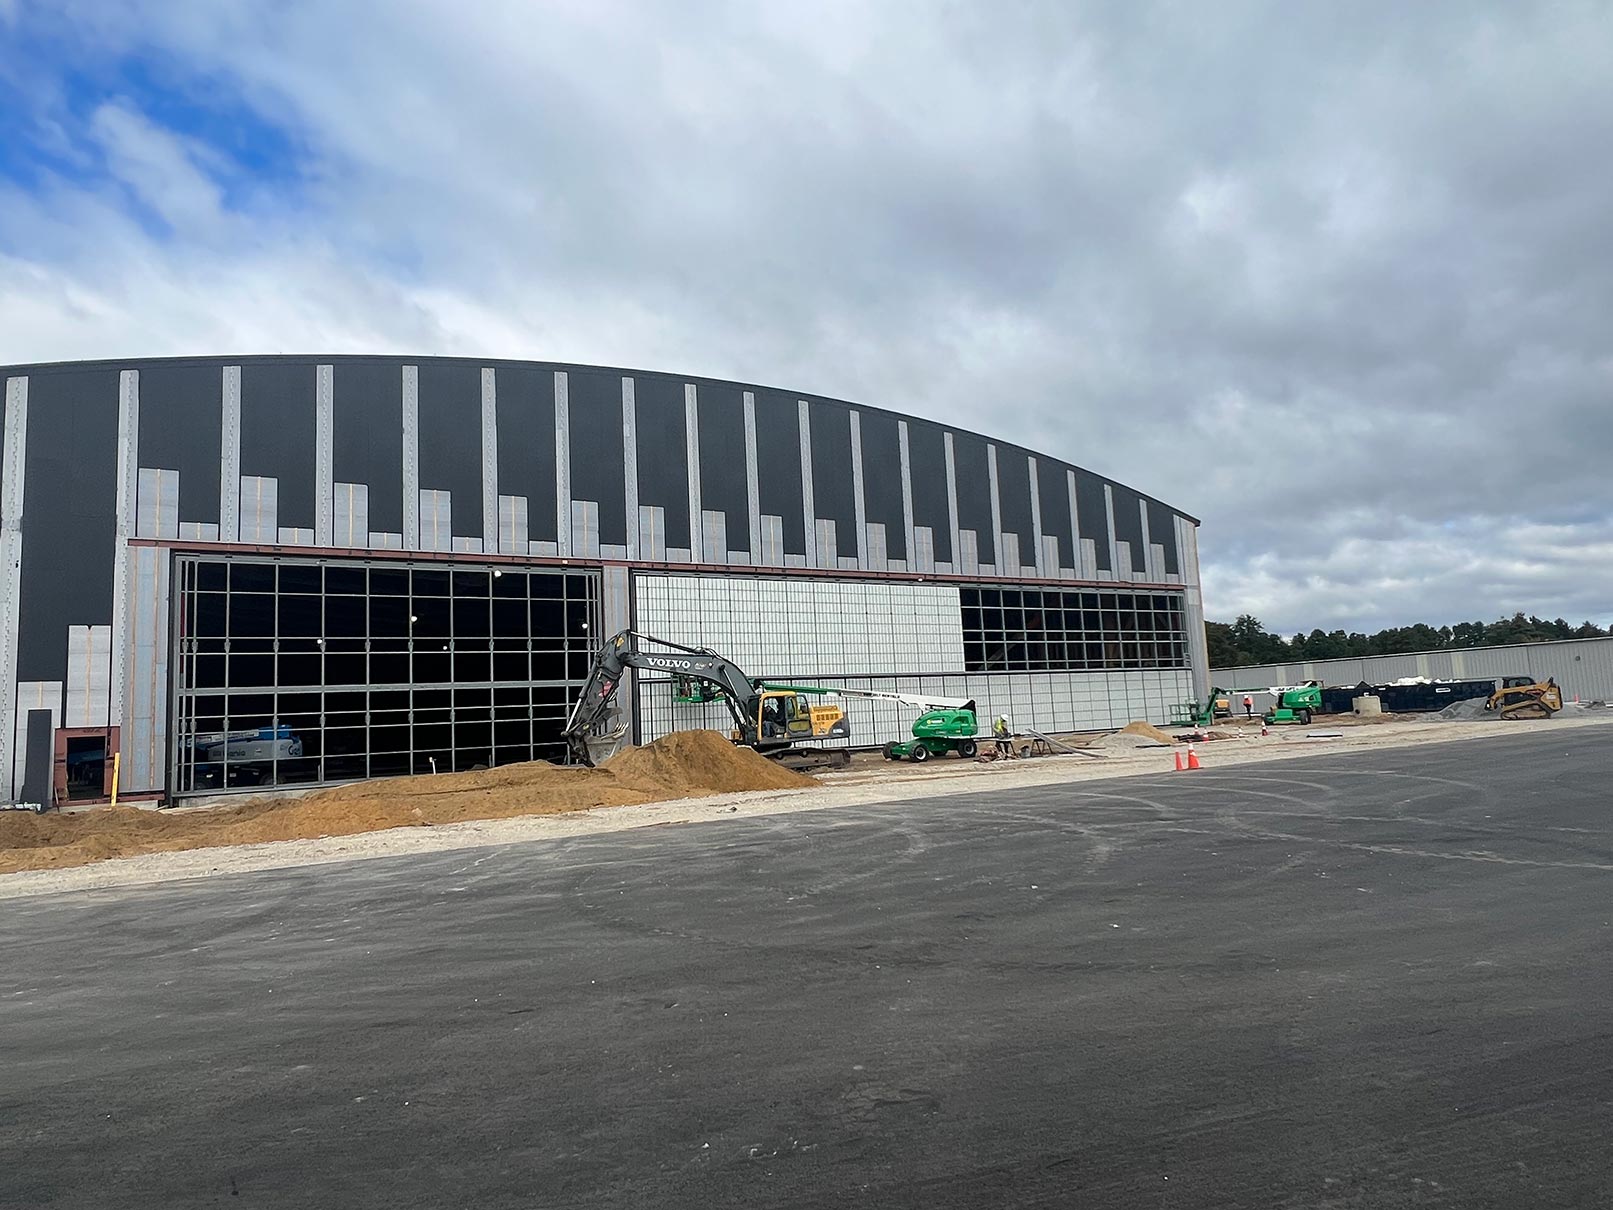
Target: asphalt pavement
<point>1374,980</point>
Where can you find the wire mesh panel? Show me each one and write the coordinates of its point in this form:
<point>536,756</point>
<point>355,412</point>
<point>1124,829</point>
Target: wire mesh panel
<point>303,672</point>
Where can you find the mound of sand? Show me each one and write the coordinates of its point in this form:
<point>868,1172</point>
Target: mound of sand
<point>1148,729</point>
<point>1137,734</point>
<point>682,765</point>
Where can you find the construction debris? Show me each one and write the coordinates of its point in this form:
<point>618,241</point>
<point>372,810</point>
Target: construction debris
<point>685,764</point>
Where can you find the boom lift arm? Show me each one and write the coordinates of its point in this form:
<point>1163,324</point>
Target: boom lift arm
<point>921,700</point>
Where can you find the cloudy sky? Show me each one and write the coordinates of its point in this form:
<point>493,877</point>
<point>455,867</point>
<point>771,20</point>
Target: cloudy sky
<point>1335,278</point>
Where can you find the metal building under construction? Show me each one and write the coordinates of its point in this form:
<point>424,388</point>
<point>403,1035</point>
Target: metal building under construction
<point>243,572</point>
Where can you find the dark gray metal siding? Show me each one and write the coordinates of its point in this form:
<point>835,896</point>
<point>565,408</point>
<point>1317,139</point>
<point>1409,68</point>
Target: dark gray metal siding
<point>927,456</point>
<point>277,433</point>
<point>1129,524</point>
<point>69,522</point>
<point>1014,499</point>
<point>1053,490</point>
<point>1090,503</point>
<point>778,465</point>
<point>833,492</point>
<point>1162,530</point>
<point>663,453</point>
<point>450,419</point>
<point>526,464</point>
<point>181,429</point>
<point>974,493</point>
<point>722,458</point>
<point>598,471</point>
<point>882,479</point>
<point>367,435</point>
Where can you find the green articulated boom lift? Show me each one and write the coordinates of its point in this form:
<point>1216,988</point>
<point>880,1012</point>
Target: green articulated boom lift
<point>1295,703</point>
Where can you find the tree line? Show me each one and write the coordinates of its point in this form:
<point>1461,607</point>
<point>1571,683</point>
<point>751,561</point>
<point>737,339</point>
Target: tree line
<point>1244,642</point>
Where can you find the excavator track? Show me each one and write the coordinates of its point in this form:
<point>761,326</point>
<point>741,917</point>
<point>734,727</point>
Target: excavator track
<point>803,760</point>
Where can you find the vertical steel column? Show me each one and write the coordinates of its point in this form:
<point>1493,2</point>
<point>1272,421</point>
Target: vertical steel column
<point>1187,545</point>
<point>630,466</point>
<point>858,502</point>
<point>997,560</point>
<point>324,455</point>
<point>907,497</point>
<point>1038,558</point>
<point>12,465</point>
<point>489,461</point>
<point>562,463</point>
<point>952,505</point>
<point>691,438</point>
<point>128,501</point>
<point>411,458</point>
<point>809,508</point>
<point>753,482</point>
<point>229,456</point>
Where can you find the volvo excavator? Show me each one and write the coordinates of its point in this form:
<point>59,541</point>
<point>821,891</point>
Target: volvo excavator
<point>775,722</point>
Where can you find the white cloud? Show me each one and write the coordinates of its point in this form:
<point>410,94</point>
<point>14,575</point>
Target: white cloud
<point>1331,287</point>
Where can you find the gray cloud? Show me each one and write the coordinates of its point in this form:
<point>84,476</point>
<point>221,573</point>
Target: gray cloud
<point>1334,280</point>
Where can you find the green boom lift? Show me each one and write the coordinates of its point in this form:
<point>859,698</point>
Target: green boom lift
<point>1295,703</point>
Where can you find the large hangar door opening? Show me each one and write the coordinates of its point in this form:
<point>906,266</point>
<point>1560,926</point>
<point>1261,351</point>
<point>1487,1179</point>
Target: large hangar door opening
<point>303,672</point>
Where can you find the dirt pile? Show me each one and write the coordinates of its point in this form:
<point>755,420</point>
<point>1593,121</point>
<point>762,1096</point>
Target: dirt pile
<point>682,765</point>
<point>1150,731</point>
<point>1137,734</point>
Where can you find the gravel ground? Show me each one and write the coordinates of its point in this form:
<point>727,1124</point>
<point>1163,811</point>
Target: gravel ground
<point>869,781</point>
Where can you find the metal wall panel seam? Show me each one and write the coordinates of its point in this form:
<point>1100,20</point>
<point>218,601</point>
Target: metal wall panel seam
<point>691,439</point>
<point>996,507</point>
<point>1078,562</point>
<point>1109,521</point>
<point>12,465</point>
<point>489,459</point>
<point>905,458</point>
<point>229,455</point>
<point>411,458</point>
<point>753,484</point>
<point>630,464</point>
<point>809,508</point>
<point>1038,554</point>
<point>562,463</point>
<point>1150,572</point>
<point>858,503</point>
<point>952,501</point>
<point>128,483</point>
<point>324,454</point>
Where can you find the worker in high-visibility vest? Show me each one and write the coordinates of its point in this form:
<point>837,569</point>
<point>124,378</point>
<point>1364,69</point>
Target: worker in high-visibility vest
<point>1248,706</point>
<point>1003,733</point>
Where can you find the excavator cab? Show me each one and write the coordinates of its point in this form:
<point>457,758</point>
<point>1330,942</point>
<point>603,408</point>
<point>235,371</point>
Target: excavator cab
<point>786,715</point>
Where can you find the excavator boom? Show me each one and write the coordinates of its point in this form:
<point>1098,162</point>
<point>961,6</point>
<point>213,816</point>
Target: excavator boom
<point>627,649</point>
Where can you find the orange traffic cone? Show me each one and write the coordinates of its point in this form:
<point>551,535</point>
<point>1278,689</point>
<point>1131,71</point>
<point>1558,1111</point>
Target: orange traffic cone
<point>1179,765</point>
<point>1193,758</point>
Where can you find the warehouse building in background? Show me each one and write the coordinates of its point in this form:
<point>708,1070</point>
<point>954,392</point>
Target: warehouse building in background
<point>237,572</point>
